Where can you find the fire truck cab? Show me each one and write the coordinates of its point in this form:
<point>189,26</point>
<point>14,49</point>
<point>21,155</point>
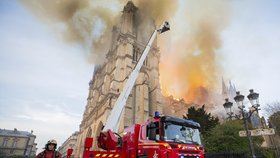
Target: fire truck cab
<point>164,137</point>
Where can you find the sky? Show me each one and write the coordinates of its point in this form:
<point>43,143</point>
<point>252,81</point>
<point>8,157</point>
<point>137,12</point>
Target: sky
<point>251,47</point>
<point>44,81</point>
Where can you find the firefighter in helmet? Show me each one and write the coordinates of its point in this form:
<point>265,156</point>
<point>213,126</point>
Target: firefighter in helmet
<point>50,150</point>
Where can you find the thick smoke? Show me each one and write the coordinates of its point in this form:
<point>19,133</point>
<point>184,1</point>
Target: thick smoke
<point>190,69</point>
<point>159,10</point>
<point>88,23</point>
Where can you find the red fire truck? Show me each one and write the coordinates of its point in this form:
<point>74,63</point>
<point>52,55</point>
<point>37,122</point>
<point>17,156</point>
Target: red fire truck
<point>161,137</point>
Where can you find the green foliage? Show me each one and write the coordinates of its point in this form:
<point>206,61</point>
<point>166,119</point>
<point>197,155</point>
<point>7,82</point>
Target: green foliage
<point>272,110</point>
<point>206,121</point>
<point>274,121</point>
<point>267,153</point>
<point>225,138</point>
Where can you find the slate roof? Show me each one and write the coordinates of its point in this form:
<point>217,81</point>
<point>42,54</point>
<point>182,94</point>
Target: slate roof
<point>16,133</point>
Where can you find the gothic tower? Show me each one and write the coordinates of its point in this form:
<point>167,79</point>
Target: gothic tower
<point>129,38</point>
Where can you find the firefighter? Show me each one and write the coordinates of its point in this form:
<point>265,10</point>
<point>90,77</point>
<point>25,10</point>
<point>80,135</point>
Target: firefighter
<point>49,151</point>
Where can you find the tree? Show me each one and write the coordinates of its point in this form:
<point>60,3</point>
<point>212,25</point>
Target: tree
<point>272,110</point>
<point>224,138</point>
<point>206,121</point>
<point>274,121</point>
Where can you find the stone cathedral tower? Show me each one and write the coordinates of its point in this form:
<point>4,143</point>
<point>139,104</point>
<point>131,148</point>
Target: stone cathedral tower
<point>129,39</point>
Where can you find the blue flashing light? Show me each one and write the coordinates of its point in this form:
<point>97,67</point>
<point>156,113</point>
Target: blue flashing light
<point>157,114</point>
<point>182,156</point>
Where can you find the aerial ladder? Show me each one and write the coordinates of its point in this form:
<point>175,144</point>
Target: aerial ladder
<point>114,119</point>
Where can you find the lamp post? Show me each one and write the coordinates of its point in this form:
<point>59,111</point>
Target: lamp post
<point>254,99</point>
<point>245,116</point>
<point>227,105</point>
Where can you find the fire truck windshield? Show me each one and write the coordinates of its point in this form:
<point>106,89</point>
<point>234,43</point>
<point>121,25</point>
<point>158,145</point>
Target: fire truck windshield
<point>181,134</point>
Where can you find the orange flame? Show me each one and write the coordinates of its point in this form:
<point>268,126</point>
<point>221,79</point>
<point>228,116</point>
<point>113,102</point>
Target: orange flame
<point>192,70</point>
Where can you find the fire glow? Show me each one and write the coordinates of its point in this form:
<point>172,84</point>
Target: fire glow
<point>190,69</point>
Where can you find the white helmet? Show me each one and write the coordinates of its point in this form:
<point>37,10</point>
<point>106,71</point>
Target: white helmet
<point>52,141</point>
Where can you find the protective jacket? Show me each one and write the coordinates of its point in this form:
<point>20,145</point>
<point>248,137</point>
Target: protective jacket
<point>49,154</point>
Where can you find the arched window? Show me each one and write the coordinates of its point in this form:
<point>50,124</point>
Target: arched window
<point>136,56</point>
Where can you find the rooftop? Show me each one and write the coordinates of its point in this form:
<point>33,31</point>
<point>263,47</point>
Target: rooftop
<point>15,132</point>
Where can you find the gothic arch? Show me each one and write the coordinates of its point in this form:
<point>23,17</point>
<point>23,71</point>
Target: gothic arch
<point>140,103</point>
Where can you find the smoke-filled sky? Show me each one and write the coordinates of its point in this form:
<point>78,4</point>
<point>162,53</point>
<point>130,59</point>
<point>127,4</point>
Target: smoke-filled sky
<point>47,51</point>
